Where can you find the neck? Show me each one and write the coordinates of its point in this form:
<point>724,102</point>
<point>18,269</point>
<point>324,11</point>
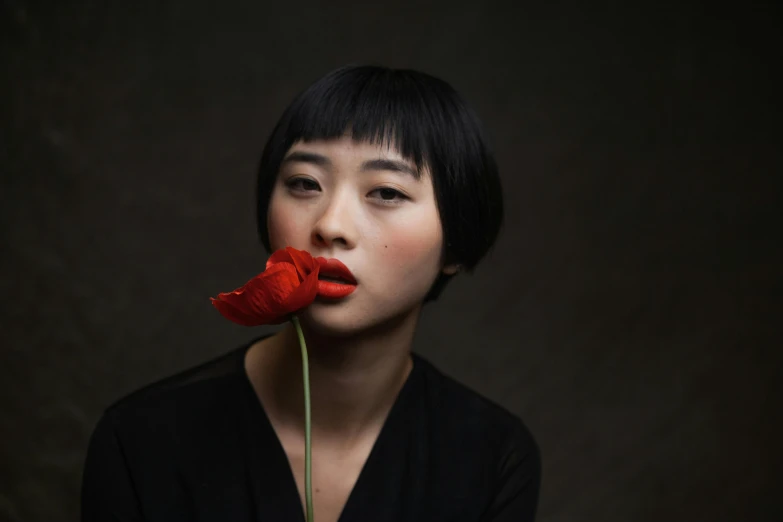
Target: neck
<point>354,380</point>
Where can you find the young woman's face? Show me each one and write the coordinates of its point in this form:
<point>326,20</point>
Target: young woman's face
<point>359,203</point>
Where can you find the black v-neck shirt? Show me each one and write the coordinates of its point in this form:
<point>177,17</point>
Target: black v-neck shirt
<point>198,446</point>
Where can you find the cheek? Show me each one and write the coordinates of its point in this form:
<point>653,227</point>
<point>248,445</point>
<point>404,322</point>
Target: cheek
<point>414,251</point>
<point>281,224</point>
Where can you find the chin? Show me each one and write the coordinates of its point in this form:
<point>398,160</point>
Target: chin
<point>343,319</point>
<point>330,319</point>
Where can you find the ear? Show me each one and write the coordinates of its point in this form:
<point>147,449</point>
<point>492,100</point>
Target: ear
<point>451,269</point>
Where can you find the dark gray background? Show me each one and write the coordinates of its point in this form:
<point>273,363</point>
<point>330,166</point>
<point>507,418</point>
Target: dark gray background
<point>630,312</point>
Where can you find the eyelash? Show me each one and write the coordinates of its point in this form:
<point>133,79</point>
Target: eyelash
<point>400,197</point>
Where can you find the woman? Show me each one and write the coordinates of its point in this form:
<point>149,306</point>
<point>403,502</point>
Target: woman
<point>388,172</point>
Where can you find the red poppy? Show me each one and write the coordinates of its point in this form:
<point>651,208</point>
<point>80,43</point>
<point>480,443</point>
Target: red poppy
<point>289,283</point>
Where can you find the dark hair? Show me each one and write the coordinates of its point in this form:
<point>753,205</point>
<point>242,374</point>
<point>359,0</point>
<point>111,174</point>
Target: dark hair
<point>428,122</point>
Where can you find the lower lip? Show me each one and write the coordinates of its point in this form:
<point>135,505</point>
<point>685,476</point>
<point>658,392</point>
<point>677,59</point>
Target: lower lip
<point>332,290</point>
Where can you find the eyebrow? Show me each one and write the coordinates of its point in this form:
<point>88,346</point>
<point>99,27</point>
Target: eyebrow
<point>390,165</point>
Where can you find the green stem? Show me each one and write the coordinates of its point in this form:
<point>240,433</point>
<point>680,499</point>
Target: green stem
<point>308,442</point>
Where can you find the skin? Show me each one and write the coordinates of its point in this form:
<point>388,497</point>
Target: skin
<point>359,346</point>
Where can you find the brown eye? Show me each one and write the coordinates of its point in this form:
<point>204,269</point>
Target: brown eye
<point>388,193</point>
<point>302,184</point>
<point>389,196</point>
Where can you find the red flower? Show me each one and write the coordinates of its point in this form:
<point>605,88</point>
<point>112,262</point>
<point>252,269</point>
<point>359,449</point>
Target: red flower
<point>289,283</point>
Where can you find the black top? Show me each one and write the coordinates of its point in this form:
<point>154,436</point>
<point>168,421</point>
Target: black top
<point>198,446</point>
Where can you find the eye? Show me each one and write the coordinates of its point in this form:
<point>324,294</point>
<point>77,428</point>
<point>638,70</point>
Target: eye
<point>389,196</point>
<point>300,184</point>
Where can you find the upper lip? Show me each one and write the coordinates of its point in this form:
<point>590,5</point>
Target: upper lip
<point>335,268</point>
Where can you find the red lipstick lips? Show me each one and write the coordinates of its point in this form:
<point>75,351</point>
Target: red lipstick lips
<point>339,281</point>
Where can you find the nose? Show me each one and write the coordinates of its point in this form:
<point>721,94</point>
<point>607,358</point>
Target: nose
<point>336,224</point>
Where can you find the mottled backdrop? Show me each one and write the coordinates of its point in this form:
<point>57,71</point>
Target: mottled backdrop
<point>630,312</point>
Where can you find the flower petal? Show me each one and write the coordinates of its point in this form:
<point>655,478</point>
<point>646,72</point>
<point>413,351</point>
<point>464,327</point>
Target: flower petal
<point>288,284</point>
<point>259,300</point>
<point>304,294</point>
<point>233,314</point>
<point>304,262</point>
<point>279,256</point>
<point>265,294</point>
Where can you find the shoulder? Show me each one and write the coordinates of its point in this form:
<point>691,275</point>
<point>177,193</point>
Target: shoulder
<point>173,436</point>
<point>183,400</point>
<point>485,424</point>
<point>455,403</point>
<point>481,450</point>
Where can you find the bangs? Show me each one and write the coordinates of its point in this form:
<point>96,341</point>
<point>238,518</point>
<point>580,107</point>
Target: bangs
<point>381,107</point>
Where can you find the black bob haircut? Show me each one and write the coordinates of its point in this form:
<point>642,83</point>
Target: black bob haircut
<point>427,122</point>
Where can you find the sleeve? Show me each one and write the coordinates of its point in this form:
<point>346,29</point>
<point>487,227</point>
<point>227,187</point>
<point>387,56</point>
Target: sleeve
<point>519,481</point>
<point>107,492</point>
